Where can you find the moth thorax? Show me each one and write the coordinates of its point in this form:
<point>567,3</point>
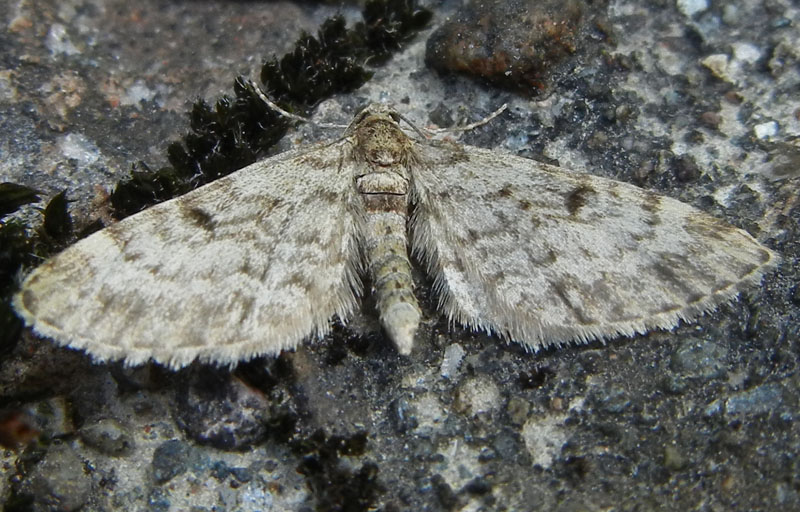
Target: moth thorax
<point>382,143</point>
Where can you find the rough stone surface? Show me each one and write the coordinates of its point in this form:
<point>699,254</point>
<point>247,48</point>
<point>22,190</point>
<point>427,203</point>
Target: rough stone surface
<point>518,44</point>
<point>215,409</point>
<point>59,481</point>
<point>108,436</point>
<point>170,459</point>
<point>662,421</point>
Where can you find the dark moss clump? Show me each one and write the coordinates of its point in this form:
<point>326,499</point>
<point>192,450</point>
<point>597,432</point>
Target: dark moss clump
<point>239,129</point>
<point>390,23</point>
<point>336,487</point>
<point>13,196</point>
<point>15,249</point>
<point>20,248</point>
<point>57,223</point>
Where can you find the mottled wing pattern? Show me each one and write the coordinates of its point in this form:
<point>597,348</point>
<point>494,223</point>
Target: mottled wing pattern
<point>545,256</point>
<point>240,267</point>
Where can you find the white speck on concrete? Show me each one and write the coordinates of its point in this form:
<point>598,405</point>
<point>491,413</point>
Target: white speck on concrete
<point>722,195</point>
<point>746,52</point>
<point>460,465</point>
<point>766,130</point>
<point>256,496</point>
<point>544,437</point>
<point>137,93</point>
<point>453,355</point>
<point>429,413</point>
<point>58,42</point>
<point>691,7</point>
<point>479,395</point>
<point>77,147</point>
<point>7,90</point>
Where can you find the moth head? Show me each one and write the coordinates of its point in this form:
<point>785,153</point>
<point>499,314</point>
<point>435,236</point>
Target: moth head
<point>378,137</point>
<point>376,110</point>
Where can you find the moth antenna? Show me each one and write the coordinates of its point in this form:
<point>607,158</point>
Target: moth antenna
<point>274,106</point>
<point>414,127</point>
<point>471,126</point>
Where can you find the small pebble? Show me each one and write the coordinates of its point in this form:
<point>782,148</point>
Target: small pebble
<point>107,436</point>
<point>766,130</point>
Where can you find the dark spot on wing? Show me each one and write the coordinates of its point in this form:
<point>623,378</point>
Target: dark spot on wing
<point>497,278</point>
<point>524,204</point>
<point>665,269</point>
<point>298,279</point>
<point>576,198</point>
<point>652,202</point>
<point>652,220</point>
<point>131,255</point>
<point>706,226</point>
<point>311,159</point>
<point>329,196</point>
<point>722,285</point>
<point>640,237</point>
<point>694,298</point>
<point>445,154</point>
<point>200,217</point>
<point>269,205</point>
<point>502,218</point>
<point>747,270</point>
<point>560,290</point>
<point>543,259</point>
<point>118,235</point>
<point>666,273</point>
<point>669,307</point>
<point>652,205</point>
<point>244,303</point>
<point>247,269</point>
<point>105,299</point>
<point>506,191</point>
<point>30,301</point>
<point>310,237</point>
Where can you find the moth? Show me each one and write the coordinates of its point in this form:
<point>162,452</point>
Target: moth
<point>258,261</point>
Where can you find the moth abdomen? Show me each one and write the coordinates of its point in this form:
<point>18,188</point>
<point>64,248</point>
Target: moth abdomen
<point>390,269</point>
